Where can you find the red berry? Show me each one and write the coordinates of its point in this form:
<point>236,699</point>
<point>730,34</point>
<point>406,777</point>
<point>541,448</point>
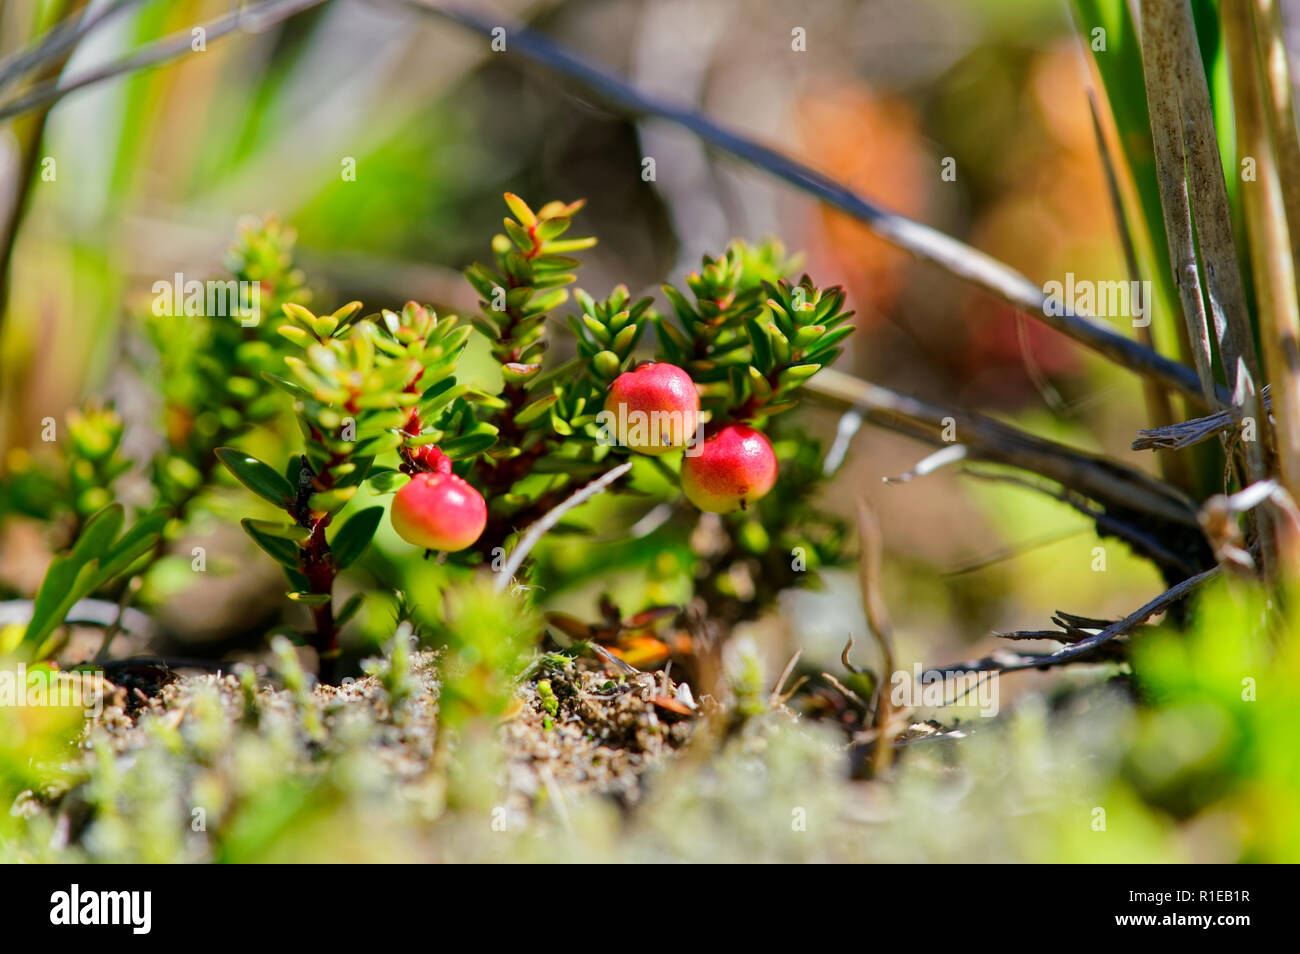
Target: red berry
<point>439,512</point>
<point>653,409</point>
<point>430,458</point>
<point>733,468</point>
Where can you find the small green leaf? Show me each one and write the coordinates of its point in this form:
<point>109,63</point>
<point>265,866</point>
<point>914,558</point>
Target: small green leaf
<point>98,533</point>
<point>762,345</point>
<point>535,410</point>
<point>257,476</point>
<point>385,479</point>
<point>285,531</point>
<point>469,445</point>
<point>355,535</point>
<point>349,610</point>
<point>283,551</point>
<point>328,501</point>
<point>625,340</point>
<point>796,375</point>
<point>606,365</point>
<point>520,210</point>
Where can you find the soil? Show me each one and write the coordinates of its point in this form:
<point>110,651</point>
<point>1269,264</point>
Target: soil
<point>594,731</point>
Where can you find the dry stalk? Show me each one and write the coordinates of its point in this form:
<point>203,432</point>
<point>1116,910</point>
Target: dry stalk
<point>873,604</point>
<point>1269,221</point>
<point>1198,221</point>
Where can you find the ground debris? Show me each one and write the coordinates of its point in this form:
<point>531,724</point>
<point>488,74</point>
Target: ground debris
<point>583,729</point>
<point>576,725</point>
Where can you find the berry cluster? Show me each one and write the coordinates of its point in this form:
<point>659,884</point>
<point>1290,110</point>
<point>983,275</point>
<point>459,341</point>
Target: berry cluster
<point>379,402</point>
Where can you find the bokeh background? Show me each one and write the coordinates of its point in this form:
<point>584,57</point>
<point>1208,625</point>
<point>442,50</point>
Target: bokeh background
<point>154,170</point>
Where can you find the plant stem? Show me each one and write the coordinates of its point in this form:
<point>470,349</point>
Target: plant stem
<point>316,563</point>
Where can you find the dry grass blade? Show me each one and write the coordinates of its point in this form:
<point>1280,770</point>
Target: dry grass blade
<point>1159,64</point>
<point>778,697</point>
<point>551,518</point>
<point>263,15</point>
<point>1272,260</point>
<point>60,39</point>
<point>986,439</point>
<point>873,604</point>
<point>1198,221</point>
<point>846,691</point>
<point>1186,433</point>
<point>1279,101</point>
<point>1209,198</point>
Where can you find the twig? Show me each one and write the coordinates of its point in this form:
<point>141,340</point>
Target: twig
<point>844,657</point>
<point>785,674</point>
<point>850,423</point>
<point>929,244</point>
<point>1017,662</point>
<point>991,440</point>
<point>551,518</point>
<point>846,691</point>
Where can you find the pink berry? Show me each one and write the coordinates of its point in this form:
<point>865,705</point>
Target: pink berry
<point>653,409</point>
<point>439,511</point>
<point>734,467</point>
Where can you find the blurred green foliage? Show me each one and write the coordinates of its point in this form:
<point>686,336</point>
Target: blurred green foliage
<point>1207,770</point>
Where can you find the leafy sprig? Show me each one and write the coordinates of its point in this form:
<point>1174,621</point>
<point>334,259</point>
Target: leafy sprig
<point>362,388</point>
